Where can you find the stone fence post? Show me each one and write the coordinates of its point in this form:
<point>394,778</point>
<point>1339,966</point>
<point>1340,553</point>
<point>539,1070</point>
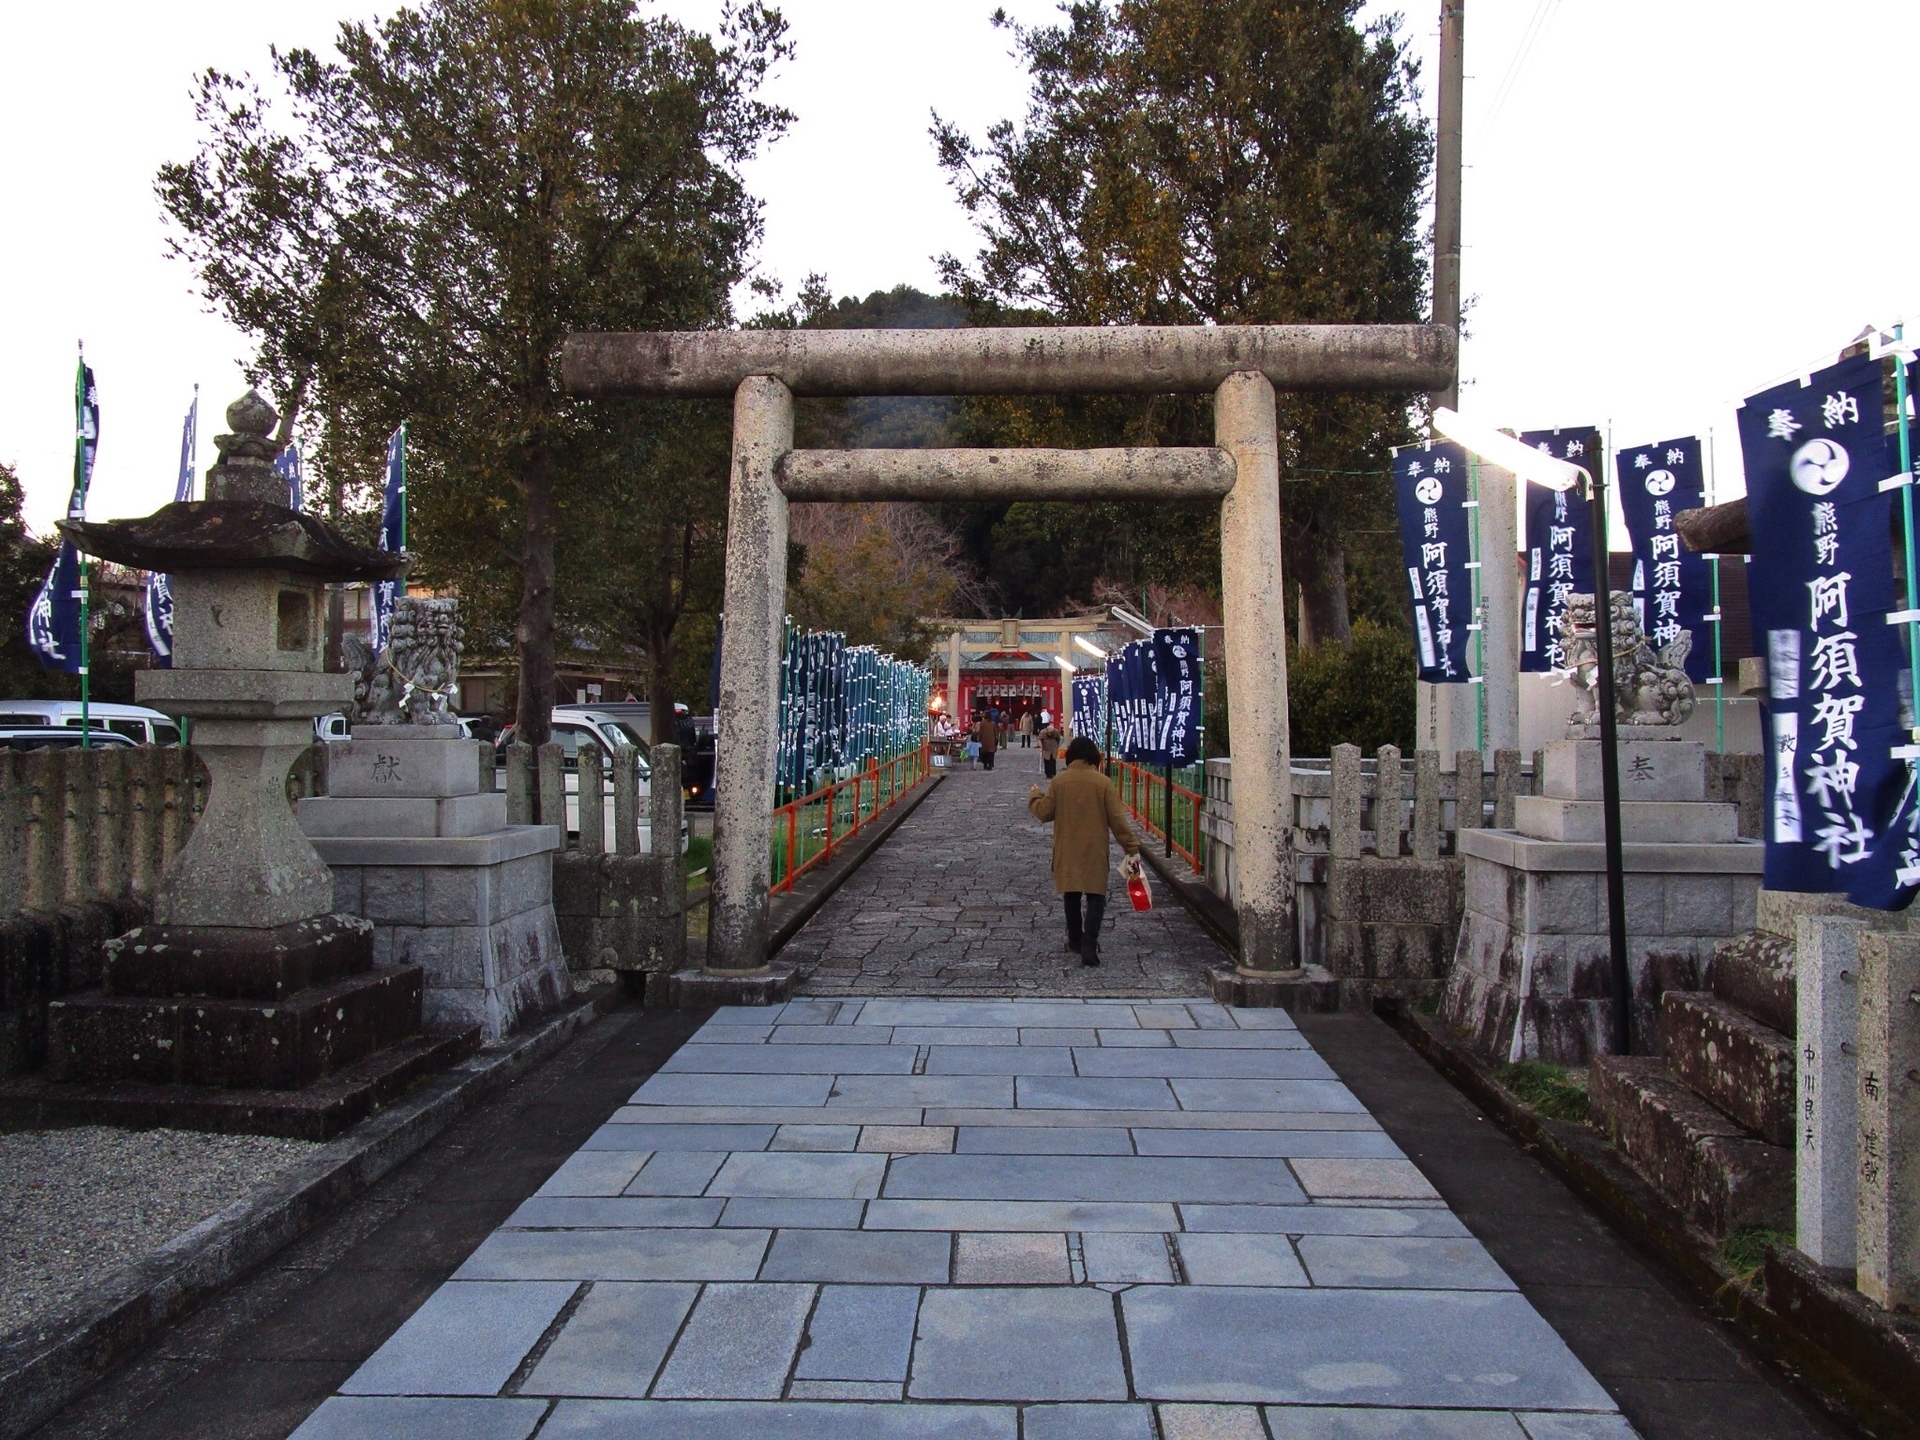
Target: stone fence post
<point>1826,1118</point>
<point>591,768</point>
<point>1345,802</point>
<point>1889,1096</point>
<point>1389,809</point>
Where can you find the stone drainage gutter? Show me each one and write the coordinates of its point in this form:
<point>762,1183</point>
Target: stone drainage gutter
<point>1856,1358</point>
<point>47,1364</point>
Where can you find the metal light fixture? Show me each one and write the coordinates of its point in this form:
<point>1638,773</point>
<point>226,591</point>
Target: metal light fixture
<point>1496,447</point>
<point>1067,665</point>
<point>1088,646</point>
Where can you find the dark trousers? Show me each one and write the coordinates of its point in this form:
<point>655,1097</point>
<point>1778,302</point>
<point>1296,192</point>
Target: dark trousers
<point>1026,741</point>
<point>1049,765</point>
<point>1096,912</point>
<point>986,758</point>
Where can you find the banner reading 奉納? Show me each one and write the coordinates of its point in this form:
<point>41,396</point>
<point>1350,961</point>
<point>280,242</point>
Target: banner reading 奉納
<point>1839,805</point>
<point>1672,585</point>
<point>1431,496</point>
<point>1559,547</point>
<point>159,608</point>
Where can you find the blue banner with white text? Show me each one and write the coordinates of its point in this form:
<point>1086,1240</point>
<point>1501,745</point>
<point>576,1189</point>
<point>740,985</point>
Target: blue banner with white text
<point>1672,585</point>
<point>1559,547</point>
<point>393,537</point>
<point>1431,496</point>
<point>1839,804</point>
<point>53,620</point>
<point>159,609</point>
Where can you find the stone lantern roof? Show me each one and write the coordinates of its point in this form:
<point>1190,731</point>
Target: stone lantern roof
<point>243,524</point>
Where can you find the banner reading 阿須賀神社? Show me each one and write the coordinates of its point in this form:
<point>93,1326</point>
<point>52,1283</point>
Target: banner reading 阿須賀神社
<point>1431,496</point>
<point>1839,804</point>
<point>1672,586</point>
<point>1559,547</point>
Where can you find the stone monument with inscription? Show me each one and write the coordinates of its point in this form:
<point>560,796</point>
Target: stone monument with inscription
<point>1531,975</point>
<point>419,842</point>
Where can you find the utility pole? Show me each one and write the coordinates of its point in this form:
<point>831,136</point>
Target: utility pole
<point>1446,180</point>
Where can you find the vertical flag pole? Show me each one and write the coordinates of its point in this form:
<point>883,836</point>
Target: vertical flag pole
<point>1479,622</point>
<point>403,497</point>
<point>1906,515</point>
<point>1719,660</point>
<point>80,489</point>
<point>1610,763</point>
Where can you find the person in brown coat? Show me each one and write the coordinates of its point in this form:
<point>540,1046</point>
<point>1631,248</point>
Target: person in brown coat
<point>1050,749</point>
<point>988,734</point>
<point>1082,807</point>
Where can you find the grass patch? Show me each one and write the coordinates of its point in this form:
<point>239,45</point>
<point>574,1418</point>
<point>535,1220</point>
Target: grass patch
<point>1549,1090</point>
<point>699,859</point>
<point>1745,1249</point>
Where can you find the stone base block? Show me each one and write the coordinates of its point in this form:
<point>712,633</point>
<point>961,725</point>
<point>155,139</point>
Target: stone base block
<point>691,989</point>
<point>417,818</point>
<point>1309,988</point>
<point>1779,909</point>
<point>1532,973</point>
<point>1642,822</point>
<point>477,918</point>
<point>1733,1061</point>
<point>1662,769</point>
<point>235,963</point>
<point>319,1111</point>
<point>1754,973</point>
<point>247,1044</point>
<point>429,761</point>
<point>1713,1171</point>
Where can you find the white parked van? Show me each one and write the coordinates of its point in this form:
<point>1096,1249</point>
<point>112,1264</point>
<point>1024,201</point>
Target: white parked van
<point>136,722</point>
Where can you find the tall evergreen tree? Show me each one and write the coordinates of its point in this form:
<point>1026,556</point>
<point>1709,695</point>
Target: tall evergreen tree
<point>1225,161</point>
<point>471,181</point>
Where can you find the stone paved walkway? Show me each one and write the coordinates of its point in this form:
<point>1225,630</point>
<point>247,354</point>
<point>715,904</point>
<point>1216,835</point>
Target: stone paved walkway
<point>960,901</point>
<point>981,1220</point>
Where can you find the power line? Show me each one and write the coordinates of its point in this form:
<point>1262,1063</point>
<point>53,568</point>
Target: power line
<point>1543,13</point>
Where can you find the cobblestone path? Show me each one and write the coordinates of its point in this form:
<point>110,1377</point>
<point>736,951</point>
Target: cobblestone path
<point>959,901</point>
<point>901,1219</point>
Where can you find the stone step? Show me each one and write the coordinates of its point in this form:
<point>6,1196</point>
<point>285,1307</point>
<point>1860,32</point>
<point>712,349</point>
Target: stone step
<point>234,1044</point>
<point>1717,1174</point>
<point>1754,973</point>
<point>1730,1060</point>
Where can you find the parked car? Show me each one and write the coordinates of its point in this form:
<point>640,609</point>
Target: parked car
<point>335,727</point>
<point>571,728</point>
<point>135,723</point>
<point>57,737</point>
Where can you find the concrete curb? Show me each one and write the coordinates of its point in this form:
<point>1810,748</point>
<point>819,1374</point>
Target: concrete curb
<point>44,1366</point>
<point>812,890</point>
<point>1857,1362</point>
<point>1215,915</point>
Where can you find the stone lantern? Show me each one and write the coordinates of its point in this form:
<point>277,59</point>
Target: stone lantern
<point>283,990</point>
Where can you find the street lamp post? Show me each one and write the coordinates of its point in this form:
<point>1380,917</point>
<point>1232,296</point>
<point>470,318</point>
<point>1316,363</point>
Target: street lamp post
<point>1504,450</point>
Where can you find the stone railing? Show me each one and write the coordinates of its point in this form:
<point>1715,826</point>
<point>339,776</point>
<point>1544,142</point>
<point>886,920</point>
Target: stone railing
<point>1376,883</point>
<point>621,905</point>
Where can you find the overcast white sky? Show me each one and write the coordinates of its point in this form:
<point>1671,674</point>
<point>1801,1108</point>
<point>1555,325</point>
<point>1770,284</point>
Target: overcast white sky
<point>1654,211</point>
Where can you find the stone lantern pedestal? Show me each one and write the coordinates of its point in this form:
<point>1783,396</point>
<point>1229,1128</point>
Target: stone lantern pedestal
<point>247,1004</point>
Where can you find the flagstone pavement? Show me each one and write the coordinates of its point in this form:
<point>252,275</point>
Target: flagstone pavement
<point>981,1219</point>
<point>960,901</point>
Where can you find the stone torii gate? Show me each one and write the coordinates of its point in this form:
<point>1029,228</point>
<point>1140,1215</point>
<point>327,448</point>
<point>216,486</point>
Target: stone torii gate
<point>1241,365</point>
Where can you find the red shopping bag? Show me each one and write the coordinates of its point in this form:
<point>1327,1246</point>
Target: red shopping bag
<point>1137,890</point>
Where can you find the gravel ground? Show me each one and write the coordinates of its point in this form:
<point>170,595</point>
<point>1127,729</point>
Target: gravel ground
<point>75,1205</point>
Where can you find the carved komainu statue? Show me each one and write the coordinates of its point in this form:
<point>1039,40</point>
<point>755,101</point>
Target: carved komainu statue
<point>1649,687</point>
<point>416,680</point>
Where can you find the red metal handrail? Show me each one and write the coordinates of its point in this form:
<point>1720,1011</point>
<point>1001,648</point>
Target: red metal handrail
<point>817,822</point>
<point>1141,789</point>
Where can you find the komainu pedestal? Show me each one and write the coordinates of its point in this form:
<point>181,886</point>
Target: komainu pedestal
<point>1532,971</point>
<point>419,843</point>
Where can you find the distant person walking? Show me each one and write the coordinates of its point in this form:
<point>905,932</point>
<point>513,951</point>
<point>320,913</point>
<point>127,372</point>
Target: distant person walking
<point>1082,807</point>
<point>1026,731</point>
<point>987,734</point>
<point>1049,750</point>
